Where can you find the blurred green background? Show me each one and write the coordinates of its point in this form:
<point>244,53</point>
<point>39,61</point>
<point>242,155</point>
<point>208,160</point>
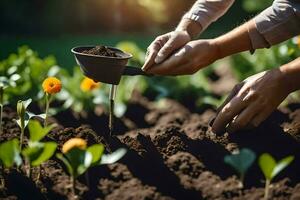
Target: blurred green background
<point>55,26</point>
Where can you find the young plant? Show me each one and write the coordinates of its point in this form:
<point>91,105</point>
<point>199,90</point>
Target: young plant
<point>38,152</point>
<point>271,168</point>
<point>9,155</point>
<point>241,162</point>
<point>24,117</point>
<point>51,86</point>
<point>78,158</point>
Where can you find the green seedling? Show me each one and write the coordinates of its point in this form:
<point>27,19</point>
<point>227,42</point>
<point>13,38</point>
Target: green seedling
<point>38,152</point>
<point>9,156</point>
<point>271,168</point>
<point>241,162</point>
<point>24,117</point>
<point>78,158</point>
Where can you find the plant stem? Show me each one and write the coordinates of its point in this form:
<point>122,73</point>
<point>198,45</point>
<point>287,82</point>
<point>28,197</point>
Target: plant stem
<point>21,137</point>
<point>73,182</point>
<point>267,185</point>
<point>39,173</point>
<point>29,168</point>
<point>1,114</point>
<point>2,182</point>
<point>242,177</point>
<point>1,107</point>
<point>47,109</point>
<point>87,178</point>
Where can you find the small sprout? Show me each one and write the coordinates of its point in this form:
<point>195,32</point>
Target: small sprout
<point>270,168</point>
<point>241,162</point>
<point>88,85</point>
<point>51,86</point>
<point>24,117</point>
<point>38,152</point>
<point>78,158</point>
<point>9,155</point>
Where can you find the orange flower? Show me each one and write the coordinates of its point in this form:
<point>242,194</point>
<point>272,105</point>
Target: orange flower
<point>88,84</point>
<point>74,143</point>
<point>51,85</point>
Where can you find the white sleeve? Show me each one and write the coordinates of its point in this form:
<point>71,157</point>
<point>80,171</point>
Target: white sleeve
<point>207,11</point>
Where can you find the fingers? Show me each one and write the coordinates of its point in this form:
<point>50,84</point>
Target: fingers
<point>167,67</point>
<point>262,116</point>
<point>244,118</point>
<point>168,48</point>
<point>234,91</point>
<point>149,60</point>
<point>228,113</point>
<point>152,51</point>
<point>173,63</point>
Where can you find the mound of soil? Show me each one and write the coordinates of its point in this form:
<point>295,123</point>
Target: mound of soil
<point>101,51</point>
<point>172,155</point>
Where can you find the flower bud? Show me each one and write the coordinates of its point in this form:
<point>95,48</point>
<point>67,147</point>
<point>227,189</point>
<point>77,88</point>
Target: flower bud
<point>21,109</point>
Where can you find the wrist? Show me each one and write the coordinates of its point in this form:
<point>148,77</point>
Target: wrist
<point>216,44</point>
<point>193,28</point>
<point>290,74</point>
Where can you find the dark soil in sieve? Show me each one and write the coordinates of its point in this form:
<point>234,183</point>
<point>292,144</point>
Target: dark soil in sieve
<point>101,51</point>
<point>172,154</point>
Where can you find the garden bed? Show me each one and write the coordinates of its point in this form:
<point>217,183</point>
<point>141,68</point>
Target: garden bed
<point>172,154</point>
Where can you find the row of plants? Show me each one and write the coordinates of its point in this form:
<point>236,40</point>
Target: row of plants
<point>245,158</point>
<point>76,155</point>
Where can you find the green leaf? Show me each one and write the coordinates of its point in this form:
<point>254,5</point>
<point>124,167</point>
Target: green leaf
<point>267,164</point>
<point>281,165</point>
<point>37,132</point>
<point>37,153</point>
<point>97,151</point>
<point>113,157</point>
<point>27,103</point>
<point>80,160</point>
<point>241,161</point>
<point>66,162</point>
<point>10,153</point>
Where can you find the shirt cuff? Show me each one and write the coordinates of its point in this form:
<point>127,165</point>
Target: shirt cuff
<point>277,23</point>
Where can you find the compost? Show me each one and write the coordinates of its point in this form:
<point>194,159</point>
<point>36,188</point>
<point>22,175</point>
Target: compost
<point>101,51</point>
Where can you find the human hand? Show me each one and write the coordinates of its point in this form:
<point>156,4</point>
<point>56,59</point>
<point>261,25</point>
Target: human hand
<point>188,59</point>
<point>163,46</point>
<point>252,101</point>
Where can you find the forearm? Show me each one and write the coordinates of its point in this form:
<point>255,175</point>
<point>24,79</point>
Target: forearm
<point>277,23</point>
<point>235,41</point>
<point>291,74</point>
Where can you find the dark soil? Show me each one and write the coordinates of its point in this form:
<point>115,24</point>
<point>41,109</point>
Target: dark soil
<point>173,155</point>
<point>101,51</point>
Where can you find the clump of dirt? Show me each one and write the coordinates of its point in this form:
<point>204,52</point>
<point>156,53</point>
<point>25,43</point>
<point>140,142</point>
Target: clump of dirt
<point>101,51</point>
